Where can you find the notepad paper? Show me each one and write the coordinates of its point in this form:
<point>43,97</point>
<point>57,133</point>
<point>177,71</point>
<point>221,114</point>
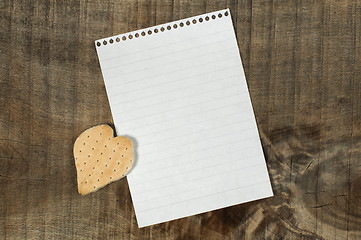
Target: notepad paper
<point>179,91</point>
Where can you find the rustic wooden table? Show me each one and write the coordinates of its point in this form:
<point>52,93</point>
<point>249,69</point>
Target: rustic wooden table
<point>303,65</point>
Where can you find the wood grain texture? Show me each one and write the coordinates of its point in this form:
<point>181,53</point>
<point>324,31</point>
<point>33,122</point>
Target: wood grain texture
<point>303,65</point>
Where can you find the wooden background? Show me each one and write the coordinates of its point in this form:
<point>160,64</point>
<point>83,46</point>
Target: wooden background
<point>303,65</point>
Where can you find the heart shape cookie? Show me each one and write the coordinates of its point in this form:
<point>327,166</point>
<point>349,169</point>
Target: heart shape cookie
<point>101,158</point>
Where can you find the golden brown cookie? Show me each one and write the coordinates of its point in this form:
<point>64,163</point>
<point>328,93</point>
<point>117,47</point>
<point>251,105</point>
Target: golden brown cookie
<point>101,158</point>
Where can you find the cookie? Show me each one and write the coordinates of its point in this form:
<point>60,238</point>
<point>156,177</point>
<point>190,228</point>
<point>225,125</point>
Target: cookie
<point>101,158</point>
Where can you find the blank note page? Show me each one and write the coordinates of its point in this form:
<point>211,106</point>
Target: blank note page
<point>179,91</point>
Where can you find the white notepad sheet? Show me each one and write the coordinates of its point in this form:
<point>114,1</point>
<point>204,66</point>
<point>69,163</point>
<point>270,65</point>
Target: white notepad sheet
<point>178,90</point>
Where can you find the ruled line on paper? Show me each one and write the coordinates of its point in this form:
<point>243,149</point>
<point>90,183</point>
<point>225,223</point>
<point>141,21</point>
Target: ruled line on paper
<point>190,144</point>
<point>182,107</point>
<point>163,73</point>
<point>189,163</point>
<point>185,116</point>
<point>162,46</point>
<point>190,96</point>
<point>180,155</point>
<point>183,81</point>
<point>204,161</point>
<point>207,195</point>
<point>175,89</point>
<point>236,142</point>
<point>177,113</point>
<point>197,132</point>
<point>149,145</point>
<point>152,66</point>
<point>134,86</point>
<point>125,84</point>
<point>136,126</point>
<point>211,187</point>
<point>168,54</point>
<point>196,151</point>
<point>198,177</point>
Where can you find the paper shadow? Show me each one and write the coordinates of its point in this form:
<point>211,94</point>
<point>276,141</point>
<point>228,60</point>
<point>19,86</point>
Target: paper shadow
<point>135,151</point>
<point>135,145</point>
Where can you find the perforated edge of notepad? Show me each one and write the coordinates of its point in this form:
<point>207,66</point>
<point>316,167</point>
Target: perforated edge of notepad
<point>158,29</point>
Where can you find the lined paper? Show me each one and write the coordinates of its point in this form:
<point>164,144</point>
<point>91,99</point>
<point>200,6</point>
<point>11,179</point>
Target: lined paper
<point>182,97</point>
